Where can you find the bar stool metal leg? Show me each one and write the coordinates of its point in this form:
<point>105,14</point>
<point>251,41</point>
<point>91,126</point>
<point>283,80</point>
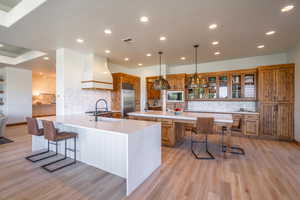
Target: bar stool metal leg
<point>234,149</point>
<point>237,150</point>
<point>64,158</point>
<point>30,158</point>
<point>210,157</point>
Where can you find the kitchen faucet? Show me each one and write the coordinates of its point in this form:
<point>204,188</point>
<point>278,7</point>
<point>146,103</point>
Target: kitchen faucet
<point>96,107</point>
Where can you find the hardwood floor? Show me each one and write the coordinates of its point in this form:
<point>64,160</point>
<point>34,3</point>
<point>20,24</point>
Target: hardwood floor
<point>269,170</point>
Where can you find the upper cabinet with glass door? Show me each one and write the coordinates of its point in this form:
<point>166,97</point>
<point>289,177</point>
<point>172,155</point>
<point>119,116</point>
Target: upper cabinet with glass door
<point>226,86</point>
<point>249,85</point>
<point>223,86</point>
<point>236,86</point>
<point>243,85</point>
<point>212,87</point>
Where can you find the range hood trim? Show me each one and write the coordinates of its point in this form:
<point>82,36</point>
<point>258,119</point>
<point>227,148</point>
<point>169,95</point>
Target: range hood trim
<point>96,75</point>
<point>96,85</point>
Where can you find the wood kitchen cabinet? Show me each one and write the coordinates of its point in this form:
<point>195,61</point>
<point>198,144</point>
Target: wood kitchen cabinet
<point>118,80</point>
<point>167,132</point>
<point>285,121</point>
<point>168,138</point>
<point>112,115</point>
<point>268,119</point>
<point>238,85</point>
<point>284,85</point>
<point>151,93</point>
<point>277,120</point>
<point>237,126</point>
<point>251,125</point>
<point>266,85</point>
<point>176,81</point>
<point>276,83</point>
<point>276,101</point>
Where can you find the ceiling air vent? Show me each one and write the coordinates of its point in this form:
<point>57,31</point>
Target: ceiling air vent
<point>127,40</point>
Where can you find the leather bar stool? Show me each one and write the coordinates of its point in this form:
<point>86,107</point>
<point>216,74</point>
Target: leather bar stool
<point>204,126</point>
<point>234,149</point>
<point>236,126</point>
<point>34,130</point>
<point>52,134</point>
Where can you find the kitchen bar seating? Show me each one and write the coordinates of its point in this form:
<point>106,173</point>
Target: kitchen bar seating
<point>203,126</point>
<point>33,129</point>
<point>52,134</point>
<point>234,148</point>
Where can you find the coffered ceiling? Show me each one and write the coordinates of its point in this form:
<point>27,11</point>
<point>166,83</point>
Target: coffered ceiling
<point>7,5</point>
<point>12,51</point>
<point>241,28</point>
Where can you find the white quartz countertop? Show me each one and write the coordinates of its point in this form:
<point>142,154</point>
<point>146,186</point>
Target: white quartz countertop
<point>105,124</point>
<point>219,118</point>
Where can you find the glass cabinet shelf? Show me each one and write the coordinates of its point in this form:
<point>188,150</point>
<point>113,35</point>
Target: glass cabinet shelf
<point>229,86</point>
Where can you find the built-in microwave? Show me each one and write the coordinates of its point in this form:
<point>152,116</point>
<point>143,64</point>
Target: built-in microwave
<point>175,96</point>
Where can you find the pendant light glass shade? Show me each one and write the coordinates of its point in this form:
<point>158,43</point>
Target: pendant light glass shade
<point>195,81</point>
<point>161,83</point>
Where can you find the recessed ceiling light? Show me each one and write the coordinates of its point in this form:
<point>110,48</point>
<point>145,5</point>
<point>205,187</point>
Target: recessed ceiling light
<point>148,54</point>
<point>140,64</point>
<point>217,53</point>
<point>1,45</point>
<point>287,8</point>
<point>215,43</point>
<point>79,40</point>
<point>144,19</point>
<point>162,38</point>
<point>270,33</point>
<point>260,46</point>
<point>183,58</point>
<point>46,58</point>
<point>107,31</point>
<point>107,51</point>
<point>213,26</point>
<point>126,59</point>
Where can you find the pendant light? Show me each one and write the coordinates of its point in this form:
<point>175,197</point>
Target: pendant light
<point>194,81</point>
<point>161,83</point>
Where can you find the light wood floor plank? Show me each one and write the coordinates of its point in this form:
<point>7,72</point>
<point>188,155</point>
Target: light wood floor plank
<point>270,170</point>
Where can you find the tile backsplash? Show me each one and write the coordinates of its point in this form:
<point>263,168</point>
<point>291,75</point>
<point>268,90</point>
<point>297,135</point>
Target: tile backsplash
<point>222,106</point>
<point>80,101</point>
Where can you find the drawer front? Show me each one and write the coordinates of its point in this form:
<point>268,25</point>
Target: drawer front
<point>147,119</point>
<point>165,121</point>
<point>252,117</point>
<point>251,127</point>
<point>131,117</point>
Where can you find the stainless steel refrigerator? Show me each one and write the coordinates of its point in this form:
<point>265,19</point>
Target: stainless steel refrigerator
<point>127,100</point>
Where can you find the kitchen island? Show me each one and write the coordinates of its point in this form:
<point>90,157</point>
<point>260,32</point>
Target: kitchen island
<point>126,148</point>
<point>174,125</point>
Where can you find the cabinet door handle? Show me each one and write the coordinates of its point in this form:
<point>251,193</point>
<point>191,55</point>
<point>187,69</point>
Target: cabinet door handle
<point>276,108</point>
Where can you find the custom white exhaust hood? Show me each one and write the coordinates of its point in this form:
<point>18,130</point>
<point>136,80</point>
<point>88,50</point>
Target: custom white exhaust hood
<point>96,74</point>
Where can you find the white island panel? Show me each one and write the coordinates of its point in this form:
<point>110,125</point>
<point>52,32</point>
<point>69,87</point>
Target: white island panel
<point>144,156</point>
<point>126,148</point>
<point>104,150</point>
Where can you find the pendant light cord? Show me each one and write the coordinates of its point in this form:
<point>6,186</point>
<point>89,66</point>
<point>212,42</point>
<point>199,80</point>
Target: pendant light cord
<point>160,63</point>
<point>196,58</point>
